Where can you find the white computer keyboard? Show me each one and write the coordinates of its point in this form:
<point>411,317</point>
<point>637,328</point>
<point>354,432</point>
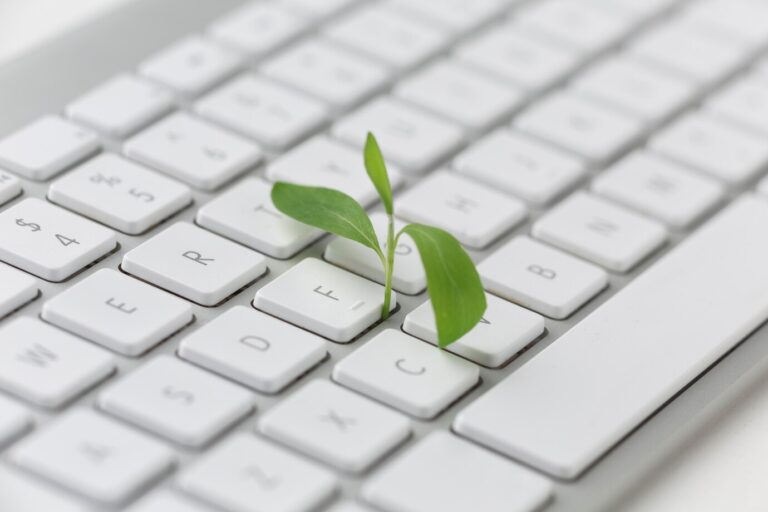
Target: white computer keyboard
<point>199,366</point>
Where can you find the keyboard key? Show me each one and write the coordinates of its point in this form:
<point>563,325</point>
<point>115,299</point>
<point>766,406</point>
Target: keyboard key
<point>119,193</point>
<point>408,277</point>
<point>92,455</point>
<point>245,214</point>
<point>762,187</point>
<point>413,140</point>
<point>746,20</point>
<point>635,9</point>
<point>14,419</point>
<point>336,426</point>
<point>324,162</point>
<point>598,231</point>
<point>118,312</point>
<point>193,151</point>
<point>635,89</point>
<point>18,289</point>
<point>744,102</point>
<point>610,375</point>
<point>247,474</point>
<point>586,128</point>
<point>453,15</point>
<point>164,500</point>
<point>254,349</point>
<point>468,475</point>
<point>522,60</point>
<point>273,115</point>
<point>406,374</point>
<point>191,65</point>
<point>504,330</point>
<point>121,105</point>
<point>396,39</point>
<point>319,10</point>
<point>323,299</point>
<point>514,163</point>
<point>657,187</point>
<point>725,152</point>
<point>195,264</point>
<point>47,366</point>
<point>46,147</point>
<point>323,70</point>
<point>454,91</point>
<point>23,494</point>
<point>573,25</point>
<point>350,506</point>
<point>177,401</point>
<point>50,242</point>
<point>684,48</point>
<point>10,187</point>
<point>258,28</point>
<point>475,214</point>
<point>541,278</point>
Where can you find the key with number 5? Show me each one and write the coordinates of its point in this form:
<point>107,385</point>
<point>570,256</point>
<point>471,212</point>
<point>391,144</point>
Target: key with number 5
<point>51,242</point>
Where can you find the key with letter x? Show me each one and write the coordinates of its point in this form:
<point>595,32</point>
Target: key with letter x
<point>336,426</point>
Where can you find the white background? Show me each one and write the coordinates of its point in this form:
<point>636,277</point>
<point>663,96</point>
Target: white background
<point>26,23</point>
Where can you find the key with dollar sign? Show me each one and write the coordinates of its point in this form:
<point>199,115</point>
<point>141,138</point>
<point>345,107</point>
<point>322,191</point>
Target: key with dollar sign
<point>31,225</point>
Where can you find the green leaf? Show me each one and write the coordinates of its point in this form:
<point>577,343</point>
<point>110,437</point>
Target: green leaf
<point>377,172</point>
<point>455,289</point>
<point>327,209</point>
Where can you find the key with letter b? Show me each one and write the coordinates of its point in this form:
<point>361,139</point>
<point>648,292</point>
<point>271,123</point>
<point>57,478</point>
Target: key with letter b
<point>541,278</point>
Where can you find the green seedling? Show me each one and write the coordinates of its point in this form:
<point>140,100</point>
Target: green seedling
<point>453,284</point>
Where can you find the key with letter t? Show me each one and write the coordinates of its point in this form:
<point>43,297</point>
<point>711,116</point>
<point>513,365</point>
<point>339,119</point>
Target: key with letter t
<point>323,299</point>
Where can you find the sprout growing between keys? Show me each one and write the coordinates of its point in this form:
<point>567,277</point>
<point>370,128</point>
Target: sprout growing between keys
<point>458,299</point>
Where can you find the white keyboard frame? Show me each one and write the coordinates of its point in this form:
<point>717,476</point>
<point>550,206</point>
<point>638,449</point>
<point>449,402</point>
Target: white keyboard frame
<point>66,67</point>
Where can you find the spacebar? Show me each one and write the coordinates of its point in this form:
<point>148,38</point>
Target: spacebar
<point>576,399</point>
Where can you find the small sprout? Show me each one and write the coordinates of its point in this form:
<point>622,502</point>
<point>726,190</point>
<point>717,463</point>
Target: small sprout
<point>457,296</point>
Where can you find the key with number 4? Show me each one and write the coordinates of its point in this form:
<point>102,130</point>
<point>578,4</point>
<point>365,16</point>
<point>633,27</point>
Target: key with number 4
<point>49,241</point>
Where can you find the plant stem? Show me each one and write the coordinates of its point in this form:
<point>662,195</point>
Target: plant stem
<point>389,266</point>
